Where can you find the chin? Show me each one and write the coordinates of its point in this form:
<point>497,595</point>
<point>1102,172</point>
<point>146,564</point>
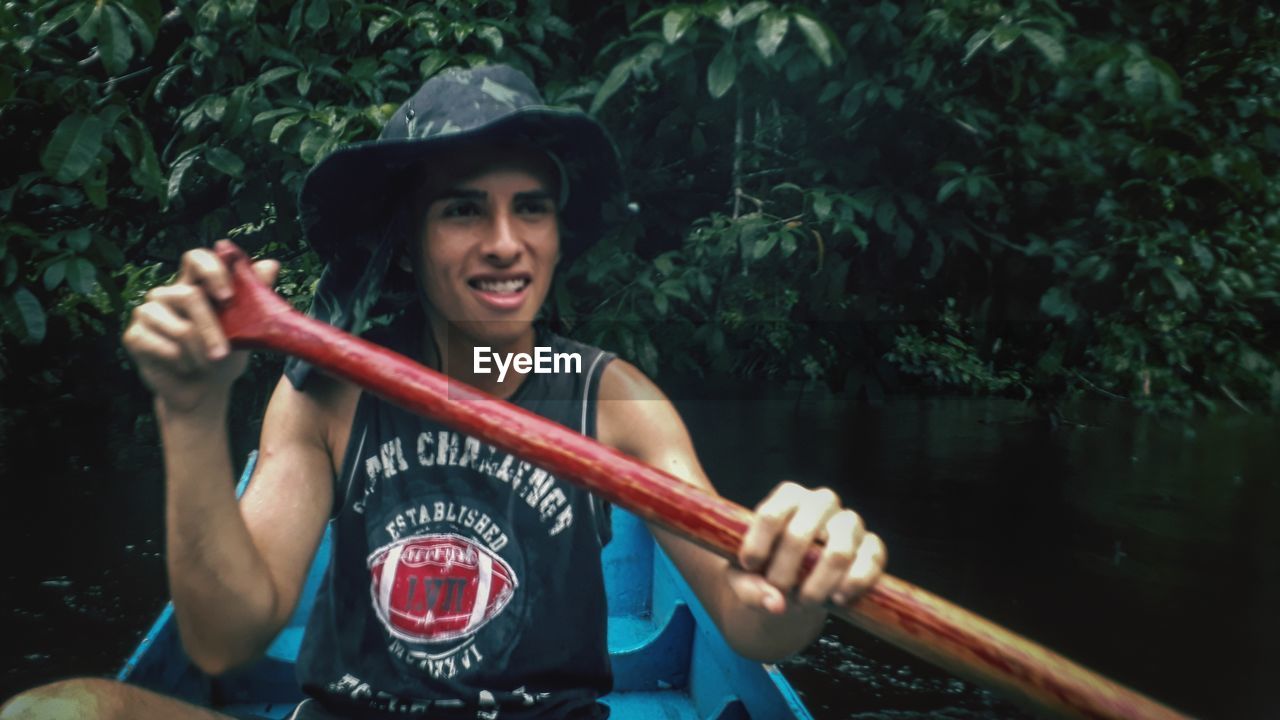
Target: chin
<point>494,333</point>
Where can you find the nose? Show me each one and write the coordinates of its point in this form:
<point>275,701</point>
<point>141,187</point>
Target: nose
<point>502,243</point>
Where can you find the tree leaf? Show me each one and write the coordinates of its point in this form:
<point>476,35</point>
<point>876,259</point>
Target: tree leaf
<point>147,173</point>
<point>491,35</point>
<point>272,75</point>
<point>788,244</point>
<point>831,91</point>
<point>764,244</point>
<point>1202,255</point>
<point>108,252</point>
<point>205,45</point>
<point>886,213</point>
<point>236,119</point>
<point>676,22</point>
<point>74,147</point>
<point>88,27</point>
<point>660,303</point>
<point>114,45</point>
<point>1170,84</point>
<point>559,27</point>
<point>821,206</point>
<point>649,359</point>
<point>816,34</point>
<point>1004,35</point>
<point>770,31</point>
<point>432,63</point>
<point>32,315</point>
<point>615,80</point>
<point>80,275</point>
<point>539,56</point>
<point>95,188</point>
<point>749,12</point>
<point>242,10</point>
<point>78,240</point>
<point>675,289</point>
<point>225,161</point>
<point>851,103</point>
<point>722,72</point>
<point>1140,79</point>
<point>317,14</point>
<point>1182,287</point>
<point>379,25</point>
<point>949,188</point>
<point>283,124</point>
<point>54,274</point>
<point>166,79</point>
<point>214,107</point>
<point>1058,303</point>
<point>179,171</point>
<point>313,144</point>
<point>57,20</point>
<point>975,43</point>
<point>1046,44</point>
<point>720,11</point>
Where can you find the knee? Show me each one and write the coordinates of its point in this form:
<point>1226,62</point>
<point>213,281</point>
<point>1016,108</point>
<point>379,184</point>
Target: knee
<point>79,699</point>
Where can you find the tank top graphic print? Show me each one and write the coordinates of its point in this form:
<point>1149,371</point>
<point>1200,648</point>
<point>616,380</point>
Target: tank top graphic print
<point>463,582</point>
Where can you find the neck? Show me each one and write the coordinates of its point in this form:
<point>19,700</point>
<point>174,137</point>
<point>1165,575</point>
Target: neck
<point>453,353</point>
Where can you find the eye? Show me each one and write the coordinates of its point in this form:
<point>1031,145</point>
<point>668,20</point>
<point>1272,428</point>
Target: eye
<point>460,209</point>
<point>533,206</point>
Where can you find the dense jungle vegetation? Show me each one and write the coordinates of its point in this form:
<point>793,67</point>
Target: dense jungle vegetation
<point>1029,197</point>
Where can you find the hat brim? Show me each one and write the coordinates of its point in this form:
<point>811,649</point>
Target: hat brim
<point>347,194</point>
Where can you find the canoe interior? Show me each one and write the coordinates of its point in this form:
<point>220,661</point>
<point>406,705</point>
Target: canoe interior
<point>669,660</point>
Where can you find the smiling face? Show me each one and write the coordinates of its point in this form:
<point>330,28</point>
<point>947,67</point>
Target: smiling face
<point>489,243</point>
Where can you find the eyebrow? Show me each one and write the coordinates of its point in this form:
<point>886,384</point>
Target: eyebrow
<point>469,194</point>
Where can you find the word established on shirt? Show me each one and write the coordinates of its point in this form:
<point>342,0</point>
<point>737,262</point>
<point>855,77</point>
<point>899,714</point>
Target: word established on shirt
<point>541,362</point>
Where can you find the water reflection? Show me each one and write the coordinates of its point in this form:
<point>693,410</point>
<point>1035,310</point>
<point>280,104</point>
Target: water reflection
<point>1139,550</point>
<point>1148,555</point>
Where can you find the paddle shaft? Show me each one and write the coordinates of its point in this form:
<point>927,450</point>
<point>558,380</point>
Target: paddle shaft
<point>894,610</point>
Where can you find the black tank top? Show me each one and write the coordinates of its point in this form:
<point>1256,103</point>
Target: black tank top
<point>463,581</point>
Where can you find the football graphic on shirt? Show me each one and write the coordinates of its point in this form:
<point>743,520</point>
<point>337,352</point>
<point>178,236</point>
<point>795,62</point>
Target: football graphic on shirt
<point>439,587</point>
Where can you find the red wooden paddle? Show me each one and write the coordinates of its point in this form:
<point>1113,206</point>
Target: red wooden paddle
<point>894,610</point>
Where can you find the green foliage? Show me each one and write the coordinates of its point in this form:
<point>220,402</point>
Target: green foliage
<point>998,197</point>
<point>994,197</point>
<point>157,130</point>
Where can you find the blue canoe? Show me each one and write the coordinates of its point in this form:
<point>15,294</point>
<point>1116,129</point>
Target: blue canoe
<point>669,660</point>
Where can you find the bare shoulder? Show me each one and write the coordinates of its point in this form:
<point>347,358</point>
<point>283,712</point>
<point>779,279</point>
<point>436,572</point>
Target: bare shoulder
<point>630,408</point>
<point>623,381</point>
<point>636,417</point>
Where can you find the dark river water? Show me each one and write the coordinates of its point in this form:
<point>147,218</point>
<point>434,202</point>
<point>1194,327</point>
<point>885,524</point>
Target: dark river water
<point>1141,550</point>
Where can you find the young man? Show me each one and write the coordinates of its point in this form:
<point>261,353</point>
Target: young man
<point>463,581</point>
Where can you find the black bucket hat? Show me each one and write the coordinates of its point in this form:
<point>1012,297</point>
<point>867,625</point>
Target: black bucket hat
<point>352,205</point>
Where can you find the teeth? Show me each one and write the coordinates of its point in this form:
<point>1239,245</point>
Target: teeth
<point>502,286</point>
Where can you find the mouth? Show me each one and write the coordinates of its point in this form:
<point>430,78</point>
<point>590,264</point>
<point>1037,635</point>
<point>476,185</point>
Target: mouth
<point>502,294</point>
<point>500,286</point>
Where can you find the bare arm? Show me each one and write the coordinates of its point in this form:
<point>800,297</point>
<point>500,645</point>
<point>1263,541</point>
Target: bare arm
<point>235,569</point>
<point>766,614</point>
